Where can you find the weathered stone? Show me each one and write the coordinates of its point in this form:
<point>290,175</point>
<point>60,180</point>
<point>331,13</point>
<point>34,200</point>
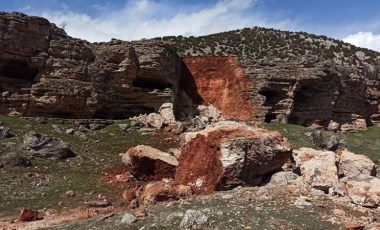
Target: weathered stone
<point>167,112</point>
<point>354,165</point>
<point>16,159</point>
<point>41,145</point>
<point>4,132</point>
<point>27,215</point>
<point>128,218</point>
<point>303,202</point>
<point>282,178</point>
<point>318,168</point>
<point>193,219</point>
<point>230,154</point>
<point>148,162</point>
<point>333,126</point>
<point>210,112</point>
<point>365,192</point>
<point>161,191</point>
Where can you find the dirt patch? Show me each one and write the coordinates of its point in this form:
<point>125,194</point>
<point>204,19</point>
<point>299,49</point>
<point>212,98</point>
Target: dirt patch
<point>222,82</point>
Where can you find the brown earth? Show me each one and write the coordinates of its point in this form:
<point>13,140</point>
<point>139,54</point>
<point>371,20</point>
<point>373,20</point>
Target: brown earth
<point>222,82</point>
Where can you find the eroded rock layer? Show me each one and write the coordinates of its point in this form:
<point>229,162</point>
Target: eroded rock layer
<point>44,72</point>
<point>305,92</point>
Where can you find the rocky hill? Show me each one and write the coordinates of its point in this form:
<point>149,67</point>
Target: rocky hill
<point>252,74</point>
<point>45,72</point>
<point>290,76</point>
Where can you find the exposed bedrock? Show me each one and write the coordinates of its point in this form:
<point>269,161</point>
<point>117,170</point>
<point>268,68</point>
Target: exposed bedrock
<point>310,91</point>
<point>44,72</point>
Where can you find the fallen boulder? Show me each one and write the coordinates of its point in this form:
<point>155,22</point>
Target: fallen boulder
<point>230,154</point>
<point>44,146</point>
<point>353,165</point>
<point>317,168</point>
<point>148,163</point>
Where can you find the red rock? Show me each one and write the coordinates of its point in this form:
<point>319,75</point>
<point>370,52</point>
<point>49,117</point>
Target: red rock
<point>222,82</point>
<point>27,215</point>
<point>228,155</point>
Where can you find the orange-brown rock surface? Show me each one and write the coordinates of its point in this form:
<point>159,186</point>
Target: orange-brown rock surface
<point>222,82</point>
<point>228,155</point>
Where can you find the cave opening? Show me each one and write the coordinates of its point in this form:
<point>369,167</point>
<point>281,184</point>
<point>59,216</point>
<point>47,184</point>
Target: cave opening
<point>151,84</point>
<point>271,97</point>
<point>19,71</point>
<point>269,117</point>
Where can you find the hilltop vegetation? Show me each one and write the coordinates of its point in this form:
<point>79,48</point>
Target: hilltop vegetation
<point>258,43</point>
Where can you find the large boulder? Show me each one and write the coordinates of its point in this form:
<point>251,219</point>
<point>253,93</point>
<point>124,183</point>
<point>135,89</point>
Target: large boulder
<point>230,154</point>
<point>150,163</point>
<point>44,146</point>
<point>317,168</point>
<point>353,165</point>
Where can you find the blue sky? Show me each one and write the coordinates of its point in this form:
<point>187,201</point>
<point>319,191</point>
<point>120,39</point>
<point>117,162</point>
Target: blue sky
<point>354,21</point>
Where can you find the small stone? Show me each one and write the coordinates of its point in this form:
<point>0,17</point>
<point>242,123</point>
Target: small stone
<point>354,226</point>
<point>123,127</point>
<point>70,193</point>
<point>28,215</point>
<point>301,202</point>
<point>140,212</point>
<point>193,219</point>
<point>69,131</point>
<point>96,126</point>
<point>317,193</point>
<point>128,218</point>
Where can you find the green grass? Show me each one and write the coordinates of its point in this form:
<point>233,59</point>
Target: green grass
<point>100,150</point>
<point>366,143</point>
<point>296,134</point>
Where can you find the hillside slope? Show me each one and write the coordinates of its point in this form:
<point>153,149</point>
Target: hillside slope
<point>295,77</point>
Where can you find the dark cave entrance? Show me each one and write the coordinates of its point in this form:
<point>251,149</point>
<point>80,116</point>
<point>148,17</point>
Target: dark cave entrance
<point>272,97</point>
<point>151,84</point>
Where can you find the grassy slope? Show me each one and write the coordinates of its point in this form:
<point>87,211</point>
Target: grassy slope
<point>51,179</point>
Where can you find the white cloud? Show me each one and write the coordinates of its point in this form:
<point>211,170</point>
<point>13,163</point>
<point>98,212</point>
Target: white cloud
<point>364,39</point>
<point>148,18</point>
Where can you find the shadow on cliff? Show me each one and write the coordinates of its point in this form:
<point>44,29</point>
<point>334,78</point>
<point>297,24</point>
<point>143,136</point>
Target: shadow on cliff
<point>187,83</point>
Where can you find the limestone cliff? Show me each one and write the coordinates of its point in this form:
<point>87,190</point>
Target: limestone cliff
<point>285,76</point>
<point>44,72</point>
<point>252,74</point>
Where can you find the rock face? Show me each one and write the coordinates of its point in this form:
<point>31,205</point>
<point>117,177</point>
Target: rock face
<point>281,91</point>
<point>228,155</point>
<point>44,72</point>
<point>223,83</point>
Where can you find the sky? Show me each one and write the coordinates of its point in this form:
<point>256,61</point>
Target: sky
<point>353,21</point>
